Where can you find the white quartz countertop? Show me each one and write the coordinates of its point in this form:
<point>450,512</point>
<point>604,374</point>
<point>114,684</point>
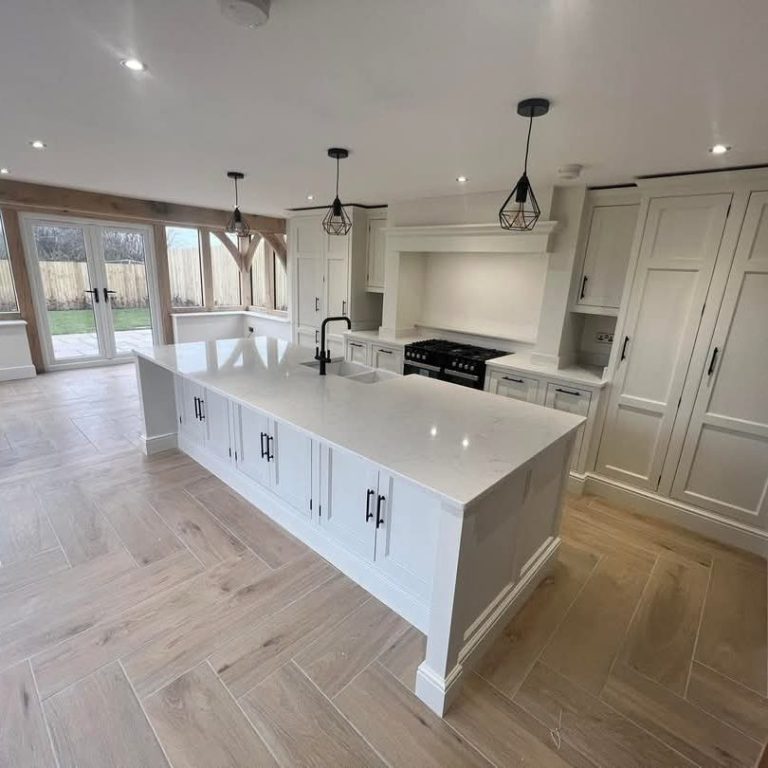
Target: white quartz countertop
<point>455,441</point>
<point>589,375</point>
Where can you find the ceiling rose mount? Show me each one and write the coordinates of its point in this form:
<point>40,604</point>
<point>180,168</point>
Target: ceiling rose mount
<point>336,221</point>
<point>521,210</point>
<point>237,225</point>
<point>246,13</point>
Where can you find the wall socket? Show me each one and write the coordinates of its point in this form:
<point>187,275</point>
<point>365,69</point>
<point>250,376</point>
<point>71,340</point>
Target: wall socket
<point>604,338</point>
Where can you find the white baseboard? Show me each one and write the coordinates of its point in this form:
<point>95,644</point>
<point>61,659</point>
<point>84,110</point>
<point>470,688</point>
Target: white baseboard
<point>158,443</point>
<point>17,372</point>
<point>699,521</point>
<point>576,484</point>
<point>438,692</point>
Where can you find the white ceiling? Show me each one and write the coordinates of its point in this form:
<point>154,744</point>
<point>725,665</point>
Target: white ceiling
<point>420,91</point>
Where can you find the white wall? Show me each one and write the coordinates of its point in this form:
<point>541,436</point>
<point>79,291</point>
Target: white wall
<point>15,358</point>
<point>208,326</point>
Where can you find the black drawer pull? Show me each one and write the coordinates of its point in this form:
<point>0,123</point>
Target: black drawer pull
<point>354,344</point>
<point>568,392</point>
<point>263,449</point>
<point>583,287</point>
<point>712,362</point>
<point>385,351</point>
<point>368,513</point>
<point>202,410</point>
<point>270,454</point>
<point>624,348</point>
<point>197,408</point>
<point>511,378</point>
<point>379,516</point>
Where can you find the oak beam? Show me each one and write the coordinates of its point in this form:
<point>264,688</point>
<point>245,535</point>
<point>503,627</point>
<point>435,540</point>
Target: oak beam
<point>277,243</point>
<point>163,282</point>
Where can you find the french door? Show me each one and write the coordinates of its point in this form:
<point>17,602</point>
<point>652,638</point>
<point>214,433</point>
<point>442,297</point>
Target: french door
<point>94,289</point>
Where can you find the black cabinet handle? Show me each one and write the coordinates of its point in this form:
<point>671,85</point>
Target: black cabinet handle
<point>512,378</point>
<point>202,410</point>
<point>368,513</point>
<point>317,304</point>
<point>379,518</point>
<point>583,287</point>
<point>354,344</point>
<point>385,351</point>
<point>624,348</point>
<point>568,391</point>
<point>712,362</point>
<point>197,408</point>
<point>95,294</point>
<point>270,454</point>
<point>263,449</point>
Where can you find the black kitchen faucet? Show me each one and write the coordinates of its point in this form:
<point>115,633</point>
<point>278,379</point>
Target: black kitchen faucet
<point>321,354</point>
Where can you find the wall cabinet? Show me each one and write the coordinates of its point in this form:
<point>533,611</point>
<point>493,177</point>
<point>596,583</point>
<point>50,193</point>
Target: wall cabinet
<point>376,255</point>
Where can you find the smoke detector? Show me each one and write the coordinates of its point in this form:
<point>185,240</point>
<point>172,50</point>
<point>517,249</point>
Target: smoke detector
<point>572,171</point>
<point>246,13</point>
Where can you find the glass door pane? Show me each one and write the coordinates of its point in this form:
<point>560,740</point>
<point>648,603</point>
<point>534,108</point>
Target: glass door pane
<point>127,288</point>
<point>69,290</point>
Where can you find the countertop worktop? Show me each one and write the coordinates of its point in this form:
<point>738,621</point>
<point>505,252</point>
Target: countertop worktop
<point>455,441</point>
<point>388,339</point>
<point>589,375</point>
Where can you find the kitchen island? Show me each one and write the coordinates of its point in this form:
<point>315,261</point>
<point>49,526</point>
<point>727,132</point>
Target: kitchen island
<point>443,502</point>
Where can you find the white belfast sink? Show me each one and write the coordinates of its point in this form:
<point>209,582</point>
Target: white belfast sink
<point>363,374</point>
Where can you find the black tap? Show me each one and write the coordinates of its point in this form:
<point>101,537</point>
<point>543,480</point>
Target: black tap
<point>321,354</point>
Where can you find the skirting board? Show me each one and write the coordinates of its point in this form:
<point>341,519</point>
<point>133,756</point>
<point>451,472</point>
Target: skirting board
<point>158,444</point>
<point>699,521</point>
<point>438,692</point>
<point>17,372</point>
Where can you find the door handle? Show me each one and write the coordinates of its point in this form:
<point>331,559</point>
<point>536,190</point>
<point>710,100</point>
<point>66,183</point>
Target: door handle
<point>712,362</point>
<point>263,449</point>
<point>197,408</point>
<point>95,293</point>
<point>379,517</point>
<point>512,378</point>
<point>202,412</point>
<point>368,513</point>
<point>384,351</point>
<point>568,392</point>
<point>270,455</point>
<point>108,293</point>
<point>317,304</point>
<point>624,349</point>
<point>344,307</point>
<point>583,287</point>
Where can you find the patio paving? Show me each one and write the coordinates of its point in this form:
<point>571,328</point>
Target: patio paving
<point>74,345</point>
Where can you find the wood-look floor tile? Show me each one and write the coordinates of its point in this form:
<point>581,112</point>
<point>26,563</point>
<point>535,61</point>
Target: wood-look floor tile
<point>661,639</point>
<point>706,741</point>
<point>24,740</point>
<point>181,648</point>
<point>301,726</point>
<point>202,533</point>
<point>400,727</point>
<point>508,660</point>
<point>140,528</point>
<point>586,642</point>
<point>270,542</point>
<point>490,721</point>
<point>729,701</point>
<point>200,725</point>
<point>98,723</point>
<point>83,531</point>
<point>248,658</point>
<point>733,630</point>
<point>32,570</point>
<point>589,726</point>
<point>404,655</point>
<point>339,655</point>
<point>24,529</point>
<point>114,638</point>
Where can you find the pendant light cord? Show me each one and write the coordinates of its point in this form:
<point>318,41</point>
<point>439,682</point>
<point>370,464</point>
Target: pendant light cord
<point>237,204</point>
<point>337,177</point>
<point>528,144</point>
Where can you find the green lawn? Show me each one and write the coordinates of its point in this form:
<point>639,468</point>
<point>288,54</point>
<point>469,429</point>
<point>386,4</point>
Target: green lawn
<point>82,321</point>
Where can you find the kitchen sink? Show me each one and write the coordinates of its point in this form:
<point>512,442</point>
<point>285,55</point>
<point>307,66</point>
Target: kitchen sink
<point>363,374</point>
<point>372,376</point>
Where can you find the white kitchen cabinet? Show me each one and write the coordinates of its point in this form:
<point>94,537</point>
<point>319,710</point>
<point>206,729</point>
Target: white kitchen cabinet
<point>307,337</point>
<point>335,345</point>
<point>387,358</point>
<point>253,444</point>
<point>562,397</point>
<point>376,255</point>
<point>290,461</point>
<point>191,423</point>
<point>723,466</point>
<point>678,251</point>
<point>216,418</point>
<point>336,279</point>
<point>306,238</point>
<point>513,385</point>
<point>611,230</point>
<point>357,351</point>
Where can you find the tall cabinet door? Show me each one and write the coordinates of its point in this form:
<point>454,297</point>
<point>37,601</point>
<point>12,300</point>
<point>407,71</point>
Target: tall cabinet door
<point>307,236</point>
<point>677,257</point>
<point>724,462</point>
<point>336,276</point>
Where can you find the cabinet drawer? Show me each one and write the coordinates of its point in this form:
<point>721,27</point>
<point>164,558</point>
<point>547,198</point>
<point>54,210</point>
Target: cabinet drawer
<point>513,385</point>
<point>563,397</point>
<point>357,351</point>
<point>388,358</point>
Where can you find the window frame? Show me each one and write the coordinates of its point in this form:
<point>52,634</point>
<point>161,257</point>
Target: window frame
<point>270,256</point>
<point>197,307</point>
<point>9,314</point>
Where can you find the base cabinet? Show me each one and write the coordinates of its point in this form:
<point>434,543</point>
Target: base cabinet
<point>357,352</point>
<point>514,386</point>
<point>387,358</point>
<point>571,400</point>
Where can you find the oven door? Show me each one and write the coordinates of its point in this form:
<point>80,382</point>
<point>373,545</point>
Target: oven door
<point>462,379</point>
<point>421,369</point>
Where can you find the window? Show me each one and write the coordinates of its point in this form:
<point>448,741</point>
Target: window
<point>184,266</point>
<point>8,301</point>
<point>269,279</point>
<point>225,273</point>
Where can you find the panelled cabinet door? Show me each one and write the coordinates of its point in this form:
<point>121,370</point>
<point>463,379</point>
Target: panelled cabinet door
<point>349,486</point>
<point>407,523</point>
<point>307,337</point>
<point>216,422</point>
<point>193,427</point>
<point>611,231</point>
<point>309,286</point>
<point>724,462</point>
<point>678,252</point>
<point>387,358</point>
<point>376,255</point>
<point>357,352</point>
<point>292,466</point>
<point>513,385</point>
<point>566,398</point>
<point>336,284</point>
<point>251,426</point>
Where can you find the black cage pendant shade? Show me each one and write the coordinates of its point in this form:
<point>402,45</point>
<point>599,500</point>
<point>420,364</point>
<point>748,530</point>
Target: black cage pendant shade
<point>521,211</point>
<point>236,224</point>
<point>336,221</point>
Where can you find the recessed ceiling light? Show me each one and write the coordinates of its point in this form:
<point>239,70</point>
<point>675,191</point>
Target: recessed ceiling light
<point>461,179</point>
<point>310,197</point>
<point>4,171</point>
<point>37,144</point>
<point>719,149</point>
<point>135,65</point>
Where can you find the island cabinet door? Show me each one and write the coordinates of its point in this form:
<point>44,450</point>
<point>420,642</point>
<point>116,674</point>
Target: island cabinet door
<point>348,491</point>
<point>215,412</point>
<point>251,458</point>
<point>406,519</point>
<point>192,426</point>
<point>291,466</point>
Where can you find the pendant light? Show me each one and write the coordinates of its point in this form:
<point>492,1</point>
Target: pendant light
<point>521,211</point>
<point>336,220</point>
<point>236,224</point>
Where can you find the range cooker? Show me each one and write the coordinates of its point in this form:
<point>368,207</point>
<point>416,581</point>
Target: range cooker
<point>462,364</point>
